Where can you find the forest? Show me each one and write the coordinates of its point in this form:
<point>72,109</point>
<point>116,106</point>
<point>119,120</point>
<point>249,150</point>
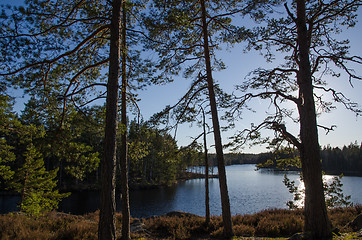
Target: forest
<point>75,149</point>
<point>81,65</point>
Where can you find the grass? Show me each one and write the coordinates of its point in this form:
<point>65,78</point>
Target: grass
<point>276,223</point>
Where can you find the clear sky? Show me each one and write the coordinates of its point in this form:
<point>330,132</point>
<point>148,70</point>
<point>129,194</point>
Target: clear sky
<point>349,127</point>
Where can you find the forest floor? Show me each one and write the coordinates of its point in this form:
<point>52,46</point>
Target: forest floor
<point>268,224</point>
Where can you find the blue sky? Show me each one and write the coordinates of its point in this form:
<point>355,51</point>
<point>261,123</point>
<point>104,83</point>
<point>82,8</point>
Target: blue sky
<point>349,127</point>
<point>239,64</point>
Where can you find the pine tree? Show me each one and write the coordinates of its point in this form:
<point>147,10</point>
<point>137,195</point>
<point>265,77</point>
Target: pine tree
<point>7,123</point>
<point>305,37</point>
<point>36,185</point>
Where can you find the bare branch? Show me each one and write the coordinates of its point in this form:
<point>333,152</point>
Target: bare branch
<point>341,98</point>
<point>168,109</point>
<point>289,13</point>
<point>81,72</point>
<point>327,129</point>
<point>84,88</point>
<point>288,136</point>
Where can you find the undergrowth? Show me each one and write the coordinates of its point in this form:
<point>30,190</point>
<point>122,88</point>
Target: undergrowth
<point>268,223</point>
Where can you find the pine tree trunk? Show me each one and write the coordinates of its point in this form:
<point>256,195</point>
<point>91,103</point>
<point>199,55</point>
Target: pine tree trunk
<point>107,225</point>
<point>207,197</point>
<point>225,202</point>
<point>316,219</point>
<point>123,157</point>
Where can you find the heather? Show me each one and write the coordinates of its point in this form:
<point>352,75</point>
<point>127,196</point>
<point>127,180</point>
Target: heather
<point>273,223</point>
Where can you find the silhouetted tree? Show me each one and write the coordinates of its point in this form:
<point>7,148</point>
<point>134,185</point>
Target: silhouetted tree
<point>305,33</point>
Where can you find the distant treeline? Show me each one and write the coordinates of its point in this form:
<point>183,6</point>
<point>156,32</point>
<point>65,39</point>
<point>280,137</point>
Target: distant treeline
<point>346,160</point>
<point>242,158</point>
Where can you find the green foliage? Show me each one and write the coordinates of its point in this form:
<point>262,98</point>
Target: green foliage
<point>7,122</point>
<point>268,164</point>
<point>71,144</point>
<point>6,157</point>
<point>79,159</point>
<point>21,165</point>
<point>153,155</point>
<point>36,185</point>
<point>282,159</point>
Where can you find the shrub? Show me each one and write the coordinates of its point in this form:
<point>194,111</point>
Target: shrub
<point>51,226</point>
<point>340,217</point>
<point>244,230</point>
<point>275,223</point>
<point>175,227</point>
<point>268,223</point>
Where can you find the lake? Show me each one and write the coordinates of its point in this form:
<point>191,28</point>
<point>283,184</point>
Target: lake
<point>250,191</point>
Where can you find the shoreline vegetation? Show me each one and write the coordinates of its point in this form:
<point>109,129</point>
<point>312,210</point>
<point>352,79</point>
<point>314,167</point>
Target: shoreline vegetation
<point>133,186</point>
<point>273,223</point>
<point>181,178</point>
<point>231,159</point>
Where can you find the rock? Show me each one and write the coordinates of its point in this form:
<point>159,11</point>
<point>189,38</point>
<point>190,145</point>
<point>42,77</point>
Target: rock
<point>356,224</point>
<point>297,236</point>
<point>360,234</point>
<point>336,231</point>
<point>137,226</point>
<point>181,214</point>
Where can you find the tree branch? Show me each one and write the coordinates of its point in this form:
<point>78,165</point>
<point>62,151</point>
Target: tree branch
<point>60,56</point>
<point>289,13</point>
<point>287,135</point>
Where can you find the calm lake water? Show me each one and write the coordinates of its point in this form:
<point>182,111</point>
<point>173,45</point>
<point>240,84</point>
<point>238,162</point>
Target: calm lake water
<point>250,191</point>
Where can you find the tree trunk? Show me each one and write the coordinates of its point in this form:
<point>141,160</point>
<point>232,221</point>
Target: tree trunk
<point>225,202</point>
<point>317,223</point>
<point>207,198</point>
<point>107,225</point>
<point>123,157</point>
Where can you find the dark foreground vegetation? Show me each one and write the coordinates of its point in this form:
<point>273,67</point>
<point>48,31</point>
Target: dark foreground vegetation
<point>176,225</point>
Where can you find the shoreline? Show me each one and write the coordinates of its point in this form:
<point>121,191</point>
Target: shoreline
<point>182,178</point>
<point>132,186</point>
<point>327,172</point>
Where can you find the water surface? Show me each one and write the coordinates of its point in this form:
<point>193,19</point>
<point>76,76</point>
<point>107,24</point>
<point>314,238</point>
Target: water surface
<point>250,191</point>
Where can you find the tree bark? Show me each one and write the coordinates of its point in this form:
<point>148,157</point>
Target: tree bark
<point>207,197</point>
<point>225,202</point>
<point>123,157</point>
<point>107,224</point>
<point>317,223</point>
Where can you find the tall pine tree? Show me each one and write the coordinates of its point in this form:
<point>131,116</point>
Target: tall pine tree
<point>305,37</point>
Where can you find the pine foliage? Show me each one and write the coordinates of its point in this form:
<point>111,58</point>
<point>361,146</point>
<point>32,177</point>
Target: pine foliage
<point>36,185</point>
